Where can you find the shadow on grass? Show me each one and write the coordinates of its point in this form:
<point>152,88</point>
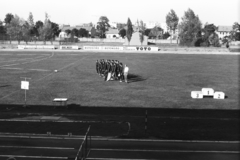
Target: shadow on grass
<point>211,97</point>
<point>135,78</point>
<point>5,86</point>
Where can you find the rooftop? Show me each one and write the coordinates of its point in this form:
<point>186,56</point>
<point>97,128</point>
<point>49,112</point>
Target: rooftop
<point>224,28</point>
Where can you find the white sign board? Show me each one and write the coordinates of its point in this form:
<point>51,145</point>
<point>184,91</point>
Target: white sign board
<point>197,94</point>
<point>25,85</point>
<point>207,91</point>
<point>219,95</point>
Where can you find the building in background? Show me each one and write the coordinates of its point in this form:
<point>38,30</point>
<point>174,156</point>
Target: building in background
<point>223,31</point>
<point>91,30</point>
<point>112,33</point>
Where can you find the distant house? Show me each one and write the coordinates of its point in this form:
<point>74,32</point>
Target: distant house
<point>223,31</point>
<point>112,33</point>
<point>62,34</point>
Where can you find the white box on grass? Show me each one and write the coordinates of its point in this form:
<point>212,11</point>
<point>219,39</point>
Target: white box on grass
<point>197,94</point>
<point>219,95</point>
<point>207,91</point>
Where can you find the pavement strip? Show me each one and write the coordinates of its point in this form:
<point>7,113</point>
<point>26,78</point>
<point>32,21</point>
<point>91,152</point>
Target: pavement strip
<point>37,157</point>
<point>32,147</point>
<point>180,151</point>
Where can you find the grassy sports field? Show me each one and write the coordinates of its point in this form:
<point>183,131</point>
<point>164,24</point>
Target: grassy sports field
<point>156,80</point>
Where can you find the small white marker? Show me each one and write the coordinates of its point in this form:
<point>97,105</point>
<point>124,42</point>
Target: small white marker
<point>55,70</point>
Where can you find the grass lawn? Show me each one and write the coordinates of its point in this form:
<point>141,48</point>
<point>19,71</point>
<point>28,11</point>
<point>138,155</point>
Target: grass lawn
<point>156,80</point>
<point>159,83</point>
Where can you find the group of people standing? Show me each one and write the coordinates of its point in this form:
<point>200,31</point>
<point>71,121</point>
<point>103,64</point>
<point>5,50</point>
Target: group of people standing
<point>112,70</point>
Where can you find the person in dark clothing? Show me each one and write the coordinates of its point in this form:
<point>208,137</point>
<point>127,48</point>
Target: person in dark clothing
<point>97,67</point>
<point>117,70</point>
<point>121,72</point>
<point>113,71</point>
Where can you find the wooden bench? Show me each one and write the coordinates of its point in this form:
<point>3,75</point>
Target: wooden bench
<point>63,101</point>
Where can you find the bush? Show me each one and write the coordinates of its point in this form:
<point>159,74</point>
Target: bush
<point>214,40</point>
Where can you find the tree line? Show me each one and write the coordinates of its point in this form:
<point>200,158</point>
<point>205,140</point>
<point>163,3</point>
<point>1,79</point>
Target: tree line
<point>19,29</point>
<point>191,32</point>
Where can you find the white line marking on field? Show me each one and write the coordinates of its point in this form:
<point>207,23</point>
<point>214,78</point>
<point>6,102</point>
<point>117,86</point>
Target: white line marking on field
<point>29,147</point>
<point>41,70</point>
<point>21,59</point>
<point>181,151</point>
<point>46,75</point>
<point>13,68</point>
<point>21,156</point>
<point>10,65</point>
<point>33,60</point>
<point>60,69</point>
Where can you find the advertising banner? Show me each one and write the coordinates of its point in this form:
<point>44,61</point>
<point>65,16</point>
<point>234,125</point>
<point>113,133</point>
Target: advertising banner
<point>21,47</point>
<point>110,48</point>
<point>69,47</point>
<point>147,48</point>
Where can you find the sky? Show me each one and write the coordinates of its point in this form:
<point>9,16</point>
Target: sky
<point>74,12</point>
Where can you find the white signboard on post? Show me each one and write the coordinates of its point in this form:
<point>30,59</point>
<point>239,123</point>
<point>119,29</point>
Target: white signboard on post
<point>25,85</point>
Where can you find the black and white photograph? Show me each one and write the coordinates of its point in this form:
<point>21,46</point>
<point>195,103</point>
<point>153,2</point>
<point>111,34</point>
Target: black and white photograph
<point>120,80</point>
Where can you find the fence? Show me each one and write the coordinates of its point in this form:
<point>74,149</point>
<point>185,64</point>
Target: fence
<point>123,40</point>
<point>85,147</point>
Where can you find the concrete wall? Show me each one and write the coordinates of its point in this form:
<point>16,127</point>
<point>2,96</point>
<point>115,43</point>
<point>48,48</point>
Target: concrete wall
<point>30,43</point>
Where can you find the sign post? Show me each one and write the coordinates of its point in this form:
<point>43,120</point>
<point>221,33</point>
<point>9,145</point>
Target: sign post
<point>25,86</point>
<point>146,121</point>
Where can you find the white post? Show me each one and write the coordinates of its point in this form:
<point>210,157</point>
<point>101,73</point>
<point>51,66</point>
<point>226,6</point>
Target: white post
<point>25,88</point>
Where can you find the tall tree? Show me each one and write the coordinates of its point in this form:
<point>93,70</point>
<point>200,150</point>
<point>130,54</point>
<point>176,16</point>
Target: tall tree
<point>129,30</point>
<point>102,25</point>
<point>189,27</point>
<point>172,20</point>
<point>147,32</point>
<point>30,20</point>
<point>26,32</point>
<point>37,26</point>
<point>142,28</point>
<point>74,32</point>
<point>31,26</point>
<point>45,32</point>
<point>236,27</point>
<point>209,36</point>
<point>82,32</point>
<point>8,18</point>
<point>156,32</point>
<point>2,31</point>
<point>14,28</point>
<point>235,33</point>
<point>55,29</point>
